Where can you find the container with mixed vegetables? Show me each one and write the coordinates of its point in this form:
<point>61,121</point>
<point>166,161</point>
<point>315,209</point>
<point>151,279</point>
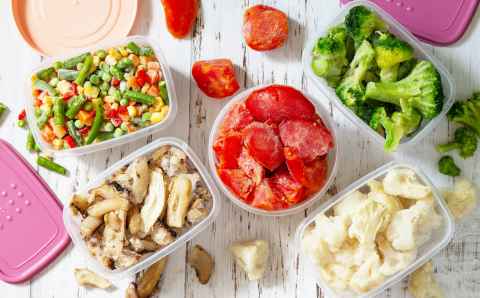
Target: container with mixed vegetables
<point>100,95</point>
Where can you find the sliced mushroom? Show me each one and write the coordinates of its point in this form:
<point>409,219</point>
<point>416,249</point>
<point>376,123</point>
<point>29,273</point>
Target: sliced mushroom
<point>174,162</point>
<point>89,278</point>
<point>156,200</point>
<point>140,174</point>
<point>103,207</point>
<point>127,258</point>
<point>202,262</point>
<point>198,211</point>
<point>80,202</point>
<point>114,233</point>
<point>95,247</point>
<point>141,245</point>
<point>135,222</point>
<point>131,291</point>
<point>179,200</point>
<point>89,225</point>
<point>161,235</point>
<point>148,281</point>
<point>104,191</point>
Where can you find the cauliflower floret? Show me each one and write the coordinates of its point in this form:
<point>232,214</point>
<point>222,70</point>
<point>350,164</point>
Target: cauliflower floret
<point>349,204</point>
<point>404,183</point>
<point>422,283</point>
<point>252,257</point>
<point>337,276</point>
<point>316,248</point>
<point>367,221</point>
<point>463,199</point>
<point>393,260</point>
<point>391,203</point>
<point>368,275</point>
<point>333,230</point>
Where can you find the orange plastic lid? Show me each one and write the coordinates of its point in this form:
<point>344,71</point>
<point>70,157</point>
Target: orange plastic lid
<point>53,27</point>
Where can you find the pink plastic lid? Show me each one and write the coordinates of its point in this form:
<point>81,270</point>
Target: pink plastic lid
<point>434,21</point>
<point>31,227</point>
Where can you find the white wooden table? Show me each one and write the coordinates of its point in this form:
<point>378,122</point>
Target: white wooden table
<point>217,34</point>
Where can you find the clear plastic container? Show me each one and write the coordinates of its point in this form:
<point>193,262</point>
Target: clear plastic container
<point>332,158</point>
<point>142,40</point>
<point>440,237</point>
<point>72,225</point>
<point>420,52</point>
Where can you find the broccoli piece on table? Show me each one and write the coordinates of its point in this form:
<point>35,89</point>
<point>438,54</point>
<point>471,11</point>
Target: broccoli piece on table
<point>361,23</point>
<point>390,52</point>
<point>330,56</point>
<point>351,90</point>
<point>422,87</point>
<point>467,112</point>
<point>465,141</point>
<point>405,68</point>
<point>447,166</point>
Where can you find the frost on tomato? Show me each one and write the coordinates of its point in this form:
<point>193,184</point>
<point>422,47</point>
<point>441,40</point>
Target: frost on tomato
<point>216,78</point>
<point>292,191</point>
<point>264,145</point>
<point>264,27</point>
<point>180,16</point>
<point>236,119</point>
<point>277,103</point>
<point>237,181</point>
<point>267,197</point>
<point>250,166</point>
<point>227,150</point>
<point>312,174</point>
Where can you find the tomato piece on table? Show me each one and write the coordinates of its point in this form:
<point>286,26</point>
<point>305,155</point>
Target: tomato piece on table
<point>237,181</point>
<point>227,149</point>
<point>310,139</point>
<point>236,119</point>
<point>264,145</point>
<point>312,175</point>
<point>216,78</point>
<point>264,27</point>
<point>180,16</point>
<point>292,191</point>
<point>250,166</point>
<point>267,197</point>
<point>276,103</point>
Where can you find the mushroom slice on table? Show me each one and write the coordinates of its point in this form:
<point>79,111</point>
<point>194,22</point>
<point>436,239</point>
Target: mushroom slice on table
<point>89,278</point>
<point>131,291</point>
<point>202,262</point>
<point>148,281</point>
<point>156,201</point>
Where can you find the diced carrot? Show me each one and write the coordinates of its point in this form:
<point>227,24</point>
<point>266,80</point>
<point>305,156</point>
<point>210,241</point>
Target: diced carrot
<point>47,134</point>
<point>86,117</point>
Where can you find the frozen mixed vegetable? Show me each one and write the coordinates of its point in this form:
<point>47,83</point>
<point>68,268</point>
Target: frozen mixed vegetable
<point>447,166</point>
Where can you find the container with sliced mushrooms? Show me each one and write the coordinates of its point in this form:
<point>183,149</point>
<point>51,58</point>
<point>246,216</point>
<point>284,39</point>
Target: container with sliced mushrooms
<point>142,208</point>
<point>375,232</point>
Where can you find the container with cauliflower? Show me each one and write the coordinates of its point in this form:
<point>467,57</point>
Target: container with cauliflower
<point>375,232</point>
<point>142,208</point>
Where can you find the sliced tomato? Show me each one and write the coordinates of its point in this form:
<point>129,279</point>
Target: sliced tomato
<point>236,119</point>
<point>237,181</point>
<point>216,78</point>
<point>180,16</point>
<point>276,103</point>
<point>292,191</point>
<point>264,145</point>
<point>267,197</point>
<point>312,175</point>
<point>227,149</point>
<point>250,166</point>
<point>310,139</point>
<point>264,27</point>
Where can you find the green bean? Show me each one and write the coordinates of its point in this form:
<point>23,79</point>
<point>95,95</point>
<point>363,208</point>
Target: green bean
<point>30,142</point>
<point>43,118</point>
<point>139,97</point>
<point>124,63</point>
<point>132,46</point>
<point>44,86</point>
<point>74,133</point>
<point>163,92</point>
<point>72,62</point>
<point>51,165</point>
<point>146,51</point>
<point>59,111</point>
<point>46,73</point>
<point>97,123</point>
<point>57,65</point>
<point>82,75</point>
<point>67,74</point>
<point>74,106</point>
<point>104,135</point>
<point>3,109</point>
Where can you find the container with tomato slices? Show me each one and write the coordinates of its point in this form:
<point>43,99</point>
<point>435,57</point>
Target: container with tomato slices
<point>272,150</point>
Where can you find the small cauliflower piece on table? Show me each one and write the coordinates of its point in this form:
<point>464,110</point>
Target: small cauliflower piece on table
<point>89,278</point>
<point>422,283</point>
<point>463,199</point>
<point>404,183</point>
<point>252,257</point>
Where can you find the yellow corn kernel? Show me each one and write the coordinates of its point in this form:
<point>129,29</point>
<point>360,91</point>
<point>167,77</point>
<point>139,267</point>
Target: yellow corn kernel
<point>113,52</point>
<point>48,100</point>
<point>80,90</point>
<point>145,88</point>
<point>110,60</point>
<point>156,117</point>
<point>91,91</point>
<point>57,144</point>
<point>132,111</point>
<point>96,60</point>
<point>123,52</point>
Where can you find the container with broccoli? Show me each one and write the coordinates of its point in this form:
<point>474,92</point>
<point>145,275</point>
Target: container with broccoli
<point>377,76</point>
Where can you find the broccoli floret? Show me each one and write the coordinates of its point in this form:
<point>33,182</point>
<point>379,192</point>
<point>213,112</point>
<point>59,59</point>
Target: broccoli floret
<point>390,52</point>
<point>361,23</point>
<point>405,68</point>
<point>351,90</point>
<point>422,88</point>
<point>379,116</point>
<point>447,166</point>
<point>467,113</point>
<point>330,56</point>
<point>465,141</point>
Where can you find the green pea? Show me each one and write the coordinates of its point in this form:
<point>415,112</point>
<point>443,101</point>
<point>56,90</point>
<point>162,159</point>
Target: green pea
<point>21,123</point>
<point>118,133</point>
<point>78,124</point>
<point>88,106</point>
<point>104,86</point>
<point>106,77</point>
<point>101,54</point>
<point>123,102</point>
<point>116,72</point>
<point>87,84</point>
<point>108,127</point>
<point>57,65</point>
<point>146,116</point>
<point>124,126</point>
<point>38,112</point>
<point>95,80</point>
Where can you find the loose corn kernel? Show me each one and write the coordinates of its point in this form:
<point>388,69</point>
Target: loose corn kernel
<point>145,88</point>
<point>57,144</point>
<point>48,100</point>
<point>123,52</point>
<point>132,111</point>
<point>113,52</point>
<point>156,117</point>
<point>134,58</point>
<point>80,90</point>
<point>132,83</point>
<point>96,60</point>
<point>110,60</point>
<point>91,91</point>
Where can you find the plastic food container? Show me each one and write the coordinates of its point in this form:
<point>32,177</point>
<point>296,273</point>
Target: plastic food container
<point>332,158</point>
<point>45,147</point>
<point>73,229</point>
<point>440,236</point>
<point>420,52</point>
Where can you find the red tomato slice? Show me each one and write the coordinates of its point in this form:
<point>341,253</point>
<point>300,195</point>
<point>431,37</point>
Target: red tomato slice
<point>236,119</point>
<point>277,103</point>
<point>237,181</point>
<point>264,145</point>
<point>250,166</point>
<point>216,78</point>
<point>292,191</point>
<point>180,16</point>
<point>312,175</point>
<point>310,139</point>
<point>267,197</point>
<point>264,27</point>
<point>227,149</point>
